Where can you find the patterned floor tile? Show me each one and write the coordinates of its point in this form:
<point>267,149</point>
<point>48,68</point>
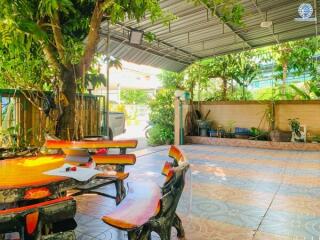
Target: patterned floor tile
<point>233,193</point>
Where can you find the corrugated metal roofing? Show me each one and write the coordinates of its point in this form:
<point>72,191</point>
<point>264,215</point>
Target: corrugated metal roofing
<point>197,34</point>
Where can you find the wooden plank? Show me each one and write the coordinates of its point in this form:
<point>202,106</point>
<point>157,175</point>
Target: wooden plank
<point>91,144</point>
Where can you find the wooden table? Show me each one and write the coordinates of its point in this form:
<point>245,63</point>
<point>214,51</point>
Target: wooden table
<point>23,178</point>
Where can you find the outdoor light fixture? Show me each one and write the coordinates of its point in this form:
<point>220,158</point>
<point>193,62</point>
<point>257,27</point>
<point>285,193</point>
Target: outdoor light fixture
<point>136,37</point>
<point>266,24</point>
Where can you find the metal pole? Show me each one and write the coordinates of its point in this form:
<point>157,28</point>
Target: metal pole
<point>107,79</point>
<point>316,26</point>
<point>181,123</point>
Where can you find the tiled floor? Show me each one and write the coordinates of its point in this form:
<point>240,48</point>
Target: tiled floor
<point>232,193</point>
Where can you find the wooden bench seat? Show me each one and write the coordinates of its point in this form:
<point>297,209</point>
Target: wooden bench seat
<point>122,159</point>
<point>176,154</point>
<point>90,144</point>
<point>29,220</point>
<point>79,151</point>
<point>113,174</point>
<point>141,204</point>
<point>153,209</point>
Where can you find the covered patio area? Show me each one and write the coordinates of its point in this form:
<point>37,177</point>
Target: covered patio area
<point>231,193</point>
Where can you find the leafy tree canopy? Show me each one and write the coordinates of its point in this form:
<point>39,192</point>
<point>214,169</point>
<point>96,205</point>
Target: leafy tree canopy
<point>134,96</point>
<point>52,43</point>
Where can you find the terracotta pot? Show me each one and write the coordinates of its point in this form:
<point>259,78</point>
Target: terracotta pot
<point>280,136</point>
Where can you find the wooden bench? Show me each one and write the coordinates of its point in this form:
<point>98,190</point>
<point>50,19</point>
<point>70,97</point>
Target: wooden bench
<point>115,176</point>
<point>55,215</point>
<point>176,154</point>
<point>151,208</point>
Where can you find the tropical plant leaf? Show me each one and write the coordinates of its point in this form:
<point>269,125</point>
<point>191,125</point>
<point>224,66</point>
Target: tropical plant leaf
<point>304,95</point>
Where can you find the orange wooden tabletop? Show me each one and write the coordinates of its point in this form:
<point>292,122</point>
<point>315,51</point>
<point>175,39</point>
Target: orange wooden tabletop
<point>28,171</point>
<point>91,144</point>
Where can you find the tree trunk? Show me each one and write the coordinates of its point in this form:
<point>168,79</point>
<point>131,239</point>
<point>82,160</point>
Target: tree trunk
<point>224,89</point>
<point>244,97</point>
<point>284,77</point>
<point>66,125</point>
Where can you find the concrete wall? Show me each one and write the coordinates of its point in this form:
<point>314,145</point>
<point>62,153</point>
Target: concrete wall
<point>252,114</point>
<point>308,113</point>
<point>249,114</point>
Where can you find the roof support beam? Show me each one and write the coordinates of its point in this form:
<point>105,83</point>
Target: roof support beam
<point>229,34</point>
<point>276,6</point>
<point>167,44</point>
<point>271,29</point>
<point>233,29</point>
<point>147,49</point>
<point>268,43</point>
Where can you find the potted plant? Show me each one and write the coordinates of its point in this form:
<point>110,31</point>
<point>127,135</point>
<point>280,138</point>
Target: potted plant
<point>280,136</point>
<point>316,139</point>
<point>229,129</point>
<point>295,126</point>
<point>296,131</point>
<point>258,134</point>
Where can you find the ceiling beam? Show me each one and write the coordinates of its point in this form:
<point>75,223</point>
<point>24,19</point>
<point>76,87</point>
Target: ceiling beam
<point>229,25</point>
<point>121,39</point>
<point>271,28</point>
<point>165,43</point>
<point>261,45</point>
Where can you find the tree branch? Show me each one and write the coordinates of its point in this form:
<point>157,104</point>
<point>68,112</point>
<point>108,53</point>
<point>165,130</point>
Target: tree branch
<point>57,34</point>
<point>93,36</point>
<point>50,57</point>
<point>48,51</point>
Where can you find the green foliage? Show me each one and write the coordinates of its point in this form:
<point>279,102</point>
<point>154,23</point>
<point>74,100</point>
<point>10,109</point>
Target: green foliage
<point>310,90</point>
<point>95,80</point>
<point>239,93</point>
<point>134,96</point>
<point>300,92</point>
<point>293,57</point>
<point>296,55</point>
<point>263,93</point>
<point>245,71</point>
<point>26,28</point>
<point>256,132</point>
<point>228,77</point>
<point>202,78</point>
<point>149,37</point>
<point>159,135</point>
<point>172,80</point>
<point>230,11</point>
<point>162,117</point>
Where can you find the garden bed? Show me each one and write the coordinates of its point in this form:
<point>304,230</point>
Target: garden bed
<point>253,143</point>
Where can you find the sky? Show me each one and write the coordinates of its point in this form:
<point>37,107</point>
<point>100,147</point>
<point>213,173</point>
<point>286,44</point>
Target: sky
<point>133,76</point>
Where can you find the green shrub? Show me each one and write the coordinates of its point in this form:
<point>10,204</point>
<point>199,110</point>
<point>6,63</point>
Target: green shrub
<point>159,135</point>
<point>162,118</point>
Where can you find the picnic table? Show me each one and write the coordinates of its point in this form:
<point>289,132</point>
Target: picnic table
<point>74,149</point>
<point>31,200</point>
<point>24,178</point>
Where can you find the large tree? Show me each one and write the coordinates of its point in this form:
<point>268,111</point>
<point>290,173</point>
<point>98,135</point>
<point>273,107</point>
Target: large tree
<point>295,56</point>
<point>53,42</point>
<point>222,67</point>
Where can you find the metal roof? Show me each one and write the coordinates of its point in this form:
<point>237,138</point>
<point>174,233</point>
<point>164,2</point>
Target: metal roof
<point>197,34</point>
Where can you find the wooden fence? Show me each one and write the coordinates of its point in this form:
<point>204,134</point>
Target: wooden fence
<point>22,112</point>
